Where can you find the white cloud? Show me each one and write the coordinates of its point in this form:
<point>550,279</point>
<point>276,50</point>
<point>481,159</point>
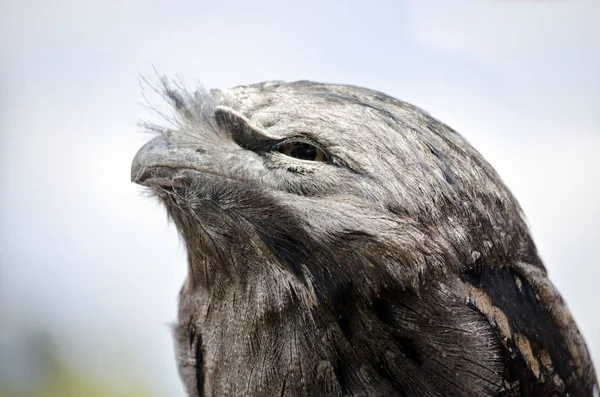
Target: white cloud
<point>544,54</point>
<point>500,32</point>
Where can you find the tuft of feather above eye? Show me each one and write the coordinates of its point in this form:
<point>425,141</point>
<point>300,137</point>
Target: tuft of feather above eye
<point>192,108</point>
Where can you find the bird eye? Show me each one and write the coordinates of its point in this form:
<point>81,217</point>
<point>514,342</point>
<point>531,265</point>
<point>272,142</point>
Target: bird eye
<point>302,151</point>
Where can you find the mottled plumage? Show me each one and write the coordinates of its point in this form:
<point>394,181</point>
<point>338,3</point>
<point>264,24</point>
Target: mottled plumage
<point>342,242</point>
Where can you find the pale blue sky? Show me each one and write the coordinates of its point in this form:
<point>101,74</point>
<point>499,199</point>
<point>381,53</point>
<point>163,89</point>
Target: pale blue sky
<point>85,253</point>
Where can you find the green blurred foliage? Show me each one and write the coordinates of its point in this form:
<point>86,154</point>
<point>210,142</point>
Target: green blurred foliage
<point>58,379</point>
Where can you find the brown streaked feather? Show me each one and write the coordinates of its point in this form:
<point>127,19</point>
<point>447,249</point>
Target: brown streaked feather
<point>542,355</point>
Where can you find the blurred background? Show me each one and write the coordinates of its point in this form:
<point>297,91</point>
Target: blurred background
<point>90,267</point>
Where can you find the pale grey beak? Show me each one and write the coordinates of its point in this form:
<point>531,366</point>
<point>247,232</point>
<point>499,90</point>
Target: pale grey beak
<point>160,158</point>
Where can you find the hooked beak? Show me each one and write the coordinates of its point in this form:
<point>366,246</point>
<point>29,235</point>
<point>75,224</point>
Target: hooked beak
<point>160,161</point>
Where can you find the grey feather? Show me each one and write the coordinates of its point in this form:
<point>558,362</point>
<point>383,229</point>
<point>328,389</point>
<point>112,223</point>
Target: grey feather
<point>397,264</point>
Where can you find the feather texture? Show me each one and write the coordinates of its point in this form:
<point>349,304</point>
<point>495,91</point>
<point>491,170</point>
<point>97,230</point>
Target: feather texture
<point>395,264</point>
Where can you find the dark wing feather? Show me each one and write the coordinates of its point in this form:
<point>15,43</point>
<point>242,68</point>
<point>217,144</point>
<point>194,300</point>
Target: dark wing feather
<point>426,343</point>
<point>542,351</point>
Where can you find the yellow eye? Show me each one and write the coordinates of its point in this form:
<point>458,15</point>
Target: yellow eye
<point>303,151</point>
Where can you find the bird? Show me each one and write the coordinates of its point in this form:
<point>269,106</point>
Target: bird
<point>341,242</point>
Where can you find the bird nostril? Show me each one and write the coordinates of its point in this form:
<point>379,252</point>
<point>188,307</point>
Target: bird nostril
<point>200,150</point>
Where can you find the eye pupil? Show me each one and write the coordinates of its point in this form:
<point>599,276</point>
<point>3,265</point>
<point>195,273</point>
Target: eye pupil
<point>303,151</point>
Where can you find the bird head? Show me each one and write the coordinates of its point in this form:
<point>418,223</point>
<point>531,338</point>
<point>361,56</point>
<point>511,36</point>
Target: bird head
<point>341,241</point>
<point>324,186</point>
